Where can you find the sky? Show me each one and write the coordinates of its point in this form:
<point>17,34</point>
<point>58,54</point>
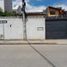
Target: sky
<point>45,2</point>
<point>39,5</point>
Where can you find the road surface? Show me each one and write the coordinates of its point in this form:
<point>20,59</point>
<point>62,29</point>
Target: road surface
<point>33,55</point>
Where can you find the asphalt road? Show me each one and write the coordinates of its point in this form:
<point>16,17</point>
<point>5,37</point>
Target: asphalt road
<point>33,55</point>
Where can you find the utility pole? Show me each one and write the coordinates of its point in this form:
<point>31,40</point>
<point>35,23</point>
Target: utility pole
<point>24,20</point>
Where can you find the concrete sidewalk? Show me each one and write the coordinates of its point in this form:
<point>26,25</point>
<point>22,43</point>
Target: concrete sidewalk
<point>61,42</point>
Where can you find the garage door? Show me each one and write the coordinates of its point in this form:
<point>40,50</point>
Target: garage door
<point>56,29</point>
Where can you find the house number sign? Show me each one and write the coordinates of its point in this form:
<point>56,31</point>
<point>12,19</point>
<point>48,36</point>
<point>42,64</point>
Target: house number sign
<point>3,21</point>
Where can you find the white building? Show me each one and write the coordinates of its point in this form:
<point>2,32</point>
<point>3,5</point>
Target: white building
<point>2,4</point>
<point>12,27</point>
<point>6,5</point>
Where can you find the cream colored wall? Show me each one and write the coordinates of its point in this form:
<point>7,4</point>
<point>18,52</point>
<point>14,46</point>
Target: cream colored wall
<point>56,13</point>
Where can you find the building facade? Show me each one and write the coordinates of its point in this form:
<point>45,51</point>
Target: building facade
<point>52,11</point>
<point>6,5</point>
<point>37,27</point>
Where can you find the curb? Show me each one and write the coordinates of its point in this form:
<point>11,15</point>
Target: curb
<point>28,43</point>
<point>39,42</point>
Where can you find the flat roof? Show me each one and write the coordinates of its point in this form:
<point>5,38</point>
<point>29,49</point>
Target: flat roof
<point>36,14</point>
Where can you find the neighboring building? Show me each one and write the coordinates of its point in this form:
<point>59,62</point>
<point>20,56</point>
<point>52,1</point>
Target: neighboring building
<point>6,5</point>
<point>52,11</point>
<point>65,14</point>
<point>49,11</point>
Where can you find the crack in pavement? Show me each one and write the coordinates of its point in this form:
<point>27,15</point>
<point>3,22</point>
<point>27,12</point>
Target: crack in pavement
<point>44,57</point>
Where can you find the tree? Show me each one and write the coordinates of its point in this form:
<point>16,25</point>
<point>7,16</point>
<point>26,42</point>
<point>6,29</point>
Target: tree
<point>6,13</point>
<point>1,12</point>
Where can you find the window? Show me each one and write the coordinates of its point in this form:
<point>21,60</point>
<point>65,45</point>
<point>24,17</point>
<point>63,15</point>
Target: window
<point>3,21</point>
<point>52,12</point>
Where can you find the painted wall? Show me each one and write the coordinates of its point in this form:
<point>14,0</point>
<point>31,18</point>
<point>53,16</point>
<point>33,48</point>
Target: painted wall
<point>36,27</point>
<point>1,31</point>
<point>13,28</point>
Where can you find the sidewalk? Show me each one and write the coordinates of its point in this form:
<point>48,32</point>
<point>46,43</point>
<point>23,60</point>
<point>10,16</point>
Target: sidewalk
<point>60,42</point>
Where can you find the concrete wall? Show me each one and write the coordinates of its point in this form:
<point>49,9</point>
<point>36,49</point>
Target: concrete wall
<point>13,28</point>
<point>1,31</point>
<point>36,27</point>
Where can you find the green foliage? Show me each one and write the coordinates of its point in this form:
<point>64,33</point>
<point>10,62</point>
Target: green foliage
<point>1,12</point>
<point>9,13</point>
<point>12,13</point>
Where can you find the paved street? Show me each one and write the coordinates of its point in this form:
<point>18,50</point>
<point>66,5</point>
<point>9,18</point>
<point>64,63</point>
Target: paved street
<point>33,56</point>
<point>57,54</point>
